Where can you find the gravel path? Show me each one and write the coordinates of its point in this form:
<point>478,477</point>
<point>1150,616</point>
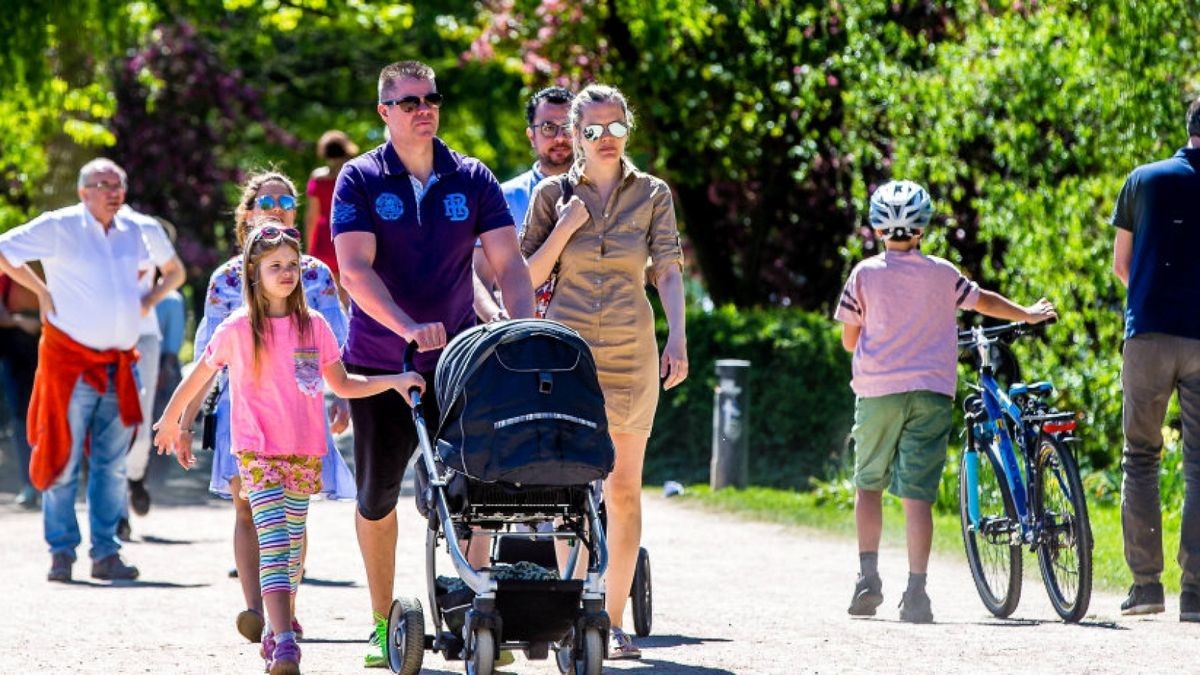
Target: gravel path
<point>730,596</point>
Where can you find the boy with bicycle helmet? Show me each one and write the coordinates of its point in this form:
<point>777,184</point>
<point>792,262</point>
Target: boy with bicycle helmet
<point>898,311</point>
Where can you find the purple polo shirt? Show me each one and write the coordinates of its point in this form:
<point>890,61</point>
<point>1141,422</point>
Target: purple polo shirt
<point>422,249</point>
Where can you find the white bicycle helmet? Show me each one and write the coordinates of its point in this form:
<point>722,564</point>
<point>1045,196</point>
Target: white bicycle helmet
<point>899,208</point>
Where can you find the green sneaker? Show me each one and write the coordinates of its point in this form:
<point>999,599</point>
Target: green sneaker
<point>376,656</point>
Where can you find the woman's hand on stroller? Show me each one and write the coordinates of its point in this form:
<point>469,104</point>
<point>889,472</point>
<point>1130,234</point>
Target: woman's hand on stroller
<point>404,382</point>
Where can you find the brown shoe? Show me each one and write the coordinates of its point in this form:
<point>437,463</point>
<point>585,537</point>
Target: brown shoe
<point>113,568</point>
<point>60,567</point>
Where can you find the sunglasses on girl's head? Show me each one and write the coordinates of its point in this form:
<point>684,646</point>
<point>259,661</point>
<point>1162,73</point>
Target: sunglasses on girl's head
<point>408,104</point>
<point>271,233</point>
<point>267,202</point>
<point>593,132</point>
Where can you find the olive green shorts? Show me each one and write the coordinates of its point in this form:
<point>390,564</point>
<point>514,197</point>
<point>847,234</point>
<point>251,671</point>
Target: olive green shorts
<point>900,442</point>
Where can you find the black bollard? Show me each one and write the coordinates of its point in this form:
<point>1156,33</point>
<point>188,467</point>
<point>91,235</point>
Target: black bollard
<point>731,425</point>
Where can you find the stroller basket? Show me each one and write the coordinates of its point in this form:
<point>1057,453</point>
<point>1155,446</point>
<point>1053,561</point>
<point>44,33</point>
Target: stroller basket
<point>537,611</point>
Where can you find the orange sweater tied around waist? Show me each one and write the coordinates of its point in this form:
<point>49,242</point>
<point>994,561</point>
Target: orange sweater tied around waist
<point>61,362</point>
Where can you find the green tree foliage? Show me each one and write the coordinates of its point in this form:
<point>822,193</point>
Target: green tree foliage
<point>765,118</point>
<point>1024,128</point>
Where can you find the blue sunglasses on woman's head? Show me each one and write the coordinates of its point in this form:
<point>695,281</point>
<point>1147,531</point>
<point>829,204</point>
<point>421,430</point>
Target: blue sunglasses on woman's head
<point>268,202</point>
<point>271,233</point>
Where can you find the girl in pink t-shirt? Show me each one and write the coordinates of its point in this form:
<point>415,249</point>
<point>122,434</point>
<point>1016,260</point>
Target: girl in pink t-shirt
<point>277,352</point>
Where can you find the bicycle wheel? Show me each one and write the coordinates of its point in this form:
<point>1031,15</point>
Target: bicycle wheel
<point>1065,545</point>
<point>993,549</point>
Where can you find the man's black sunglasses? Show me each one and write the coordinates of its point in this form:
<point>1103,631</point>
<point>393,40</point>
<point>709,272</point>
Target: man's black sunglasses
<point>408,104</point>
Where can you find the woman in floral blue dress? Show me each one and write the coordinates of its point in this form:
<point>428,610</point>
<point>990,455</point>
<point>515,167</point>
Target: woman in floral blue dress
<point>267,193</point>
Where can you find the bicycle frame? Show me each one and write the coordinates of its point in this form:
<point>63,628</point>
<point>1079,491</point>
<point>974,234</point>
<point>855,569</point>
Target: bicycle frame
<point>1004,420</point>
<point>1001,414</point>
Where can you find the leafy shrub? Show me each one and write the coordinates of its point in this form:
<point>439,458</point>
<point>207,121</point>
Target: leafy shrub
<point>800,406</point>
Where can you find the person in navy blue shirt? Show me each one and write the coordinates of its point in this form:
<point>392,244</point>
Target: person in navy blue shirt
<point>405,219</point>
<point>549,132</point>
<point>1158,233</point>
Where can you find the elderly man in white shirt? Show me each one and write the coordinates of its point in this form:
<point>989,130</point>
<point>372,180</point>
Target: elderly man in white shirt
<point>91,305</point>
<point>149,347</point>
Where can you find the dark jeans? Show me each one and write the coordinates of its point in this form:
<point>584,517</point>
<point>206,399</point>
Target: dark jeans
<point>18,353</point>
<point>1156,366</point>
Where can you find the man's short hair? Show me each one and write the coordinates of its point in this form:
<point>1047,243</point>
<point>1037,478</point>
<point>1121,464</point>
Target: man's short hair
<point>402,70</point>
<point>554,95</point>
<point>1193,120</point>
<point>96,166</point>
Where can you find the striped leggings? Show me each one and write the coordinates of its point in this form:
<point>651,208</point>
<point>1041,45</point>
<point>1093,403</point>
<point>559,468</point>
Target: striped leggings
<point>279,519</point>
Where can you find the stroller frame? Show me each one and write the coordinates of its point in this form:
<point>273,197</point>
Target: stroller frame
<point>490,513</point>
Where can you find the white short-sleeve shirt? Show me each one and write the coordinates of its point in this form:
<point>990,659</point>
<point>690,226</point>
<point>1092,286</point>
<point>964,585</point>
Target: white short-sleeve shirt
<point>92,274</point>
<point>160,249</point>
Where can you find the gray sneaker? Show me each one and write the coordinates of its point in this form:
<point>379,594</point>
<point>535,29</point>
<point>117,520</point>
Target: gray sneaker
<point>868,595</point>
<point>1189,604</point>
<point>915,607</point>
<point>60,567</point>
<point>1144,599</point>
<point>113,568</point>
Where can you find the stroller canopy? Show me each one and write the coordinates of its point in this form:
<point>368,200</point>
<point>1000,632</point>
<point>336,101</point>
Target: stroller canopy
<point>521,404</point>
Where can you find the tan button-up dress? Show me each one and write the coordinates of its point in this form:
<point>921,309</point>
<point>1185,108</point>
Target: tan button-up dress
<point>601,287</point>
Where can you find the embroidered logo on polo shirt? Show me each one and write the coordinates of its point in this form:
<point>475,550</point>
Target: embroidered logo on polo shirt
<point>456,207</point>
<point>343,212</point>
<point>389,206</point>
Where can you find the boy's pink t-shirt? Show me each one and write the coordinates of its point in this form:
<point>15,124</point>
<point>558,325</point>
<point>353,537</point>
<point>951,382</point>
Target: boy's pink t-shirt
<point>280,410</point>
<point>906,304</point>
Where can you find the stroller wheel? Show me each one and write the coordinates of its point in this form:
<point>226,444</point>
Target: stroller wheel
<point>641,592</point>
<point>483,656</point>
<point>590,659</point>
<point>406,636</point>
<point>587,660</point>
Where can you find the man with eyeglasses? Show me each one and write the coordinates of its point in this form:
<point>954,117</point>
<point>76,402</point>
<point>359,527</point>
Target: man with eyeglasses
<point>84,389</point>
<point>405,219</point>
<point>549,132</point>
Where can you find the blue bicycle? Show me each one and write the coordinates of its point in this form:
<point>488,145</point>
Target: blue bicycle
<point>1019,486</point>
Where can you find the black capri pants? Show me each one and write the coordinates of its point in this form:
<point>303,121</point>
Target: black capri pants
<point>384,440</point>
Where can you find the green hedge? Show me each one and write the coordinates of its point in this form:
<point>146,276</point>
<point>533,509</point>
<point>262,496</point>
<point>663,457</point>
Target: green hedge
<point>800,407</point>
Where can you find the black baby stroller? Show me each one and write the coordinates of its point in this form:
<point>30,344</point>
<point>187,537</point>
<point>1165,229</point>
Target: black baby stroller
<point>522,438</point>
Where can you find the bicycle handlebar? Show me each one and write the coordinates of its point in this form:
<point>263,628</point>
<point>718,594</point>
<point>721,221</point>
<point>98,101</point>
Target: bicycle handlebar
<point>1007,332</point>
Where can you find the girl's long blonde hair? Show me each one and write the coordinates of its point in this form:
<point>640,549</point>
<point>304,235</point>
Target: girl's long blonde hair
<point>257,304</point>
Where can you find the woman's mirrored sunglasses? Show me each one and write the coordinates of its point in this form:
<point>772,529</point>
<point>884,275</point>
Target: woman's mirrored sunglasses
<point>271,233</point>
<point>593,132</point>
<point>268,202</point>
<point>408,104</point>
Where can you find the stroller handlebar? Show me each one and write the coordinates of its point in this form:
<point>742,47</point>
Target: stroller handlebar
<point>410,351</point>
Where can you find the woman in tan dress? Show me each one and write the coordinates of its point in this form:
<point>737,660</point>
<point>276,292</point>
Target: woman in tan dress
<point>614,220</point>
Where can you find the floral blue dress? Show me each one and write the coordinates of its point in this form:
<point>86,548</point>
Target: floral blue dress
<point>223,297</point>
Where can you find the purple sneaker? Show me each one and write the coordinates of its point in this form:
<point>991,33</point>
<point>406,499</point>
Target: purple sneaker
<point>286,658</point>
<point>268,649</point>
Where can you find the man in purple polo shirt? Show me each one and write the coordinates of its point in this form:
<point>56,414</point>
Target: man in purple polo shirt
<point>405,219</point>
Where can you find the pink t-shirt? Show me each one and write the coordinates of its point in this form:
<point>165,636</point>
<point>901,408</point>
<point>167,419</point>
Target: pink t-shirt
<point>906,304</point>
<point>280,410</point>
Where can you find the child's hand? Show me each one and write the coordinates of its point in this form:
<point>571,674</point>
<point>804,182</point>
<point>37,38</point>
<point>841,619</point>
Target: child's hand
<point>166,436</point>
<point>405,381</point>
<point>1040,311</point>
<point>183,452</point>
<point>170,438</point>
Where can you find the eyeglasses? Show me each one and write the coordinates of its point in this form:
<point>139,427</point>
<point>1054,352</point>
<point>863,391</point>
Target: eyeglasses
<point>268,202</point>
<point>105,187</point>
<point>593,132</point>
<point>409,104</point>
<point>551,130</point>
<point>271,233</point>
